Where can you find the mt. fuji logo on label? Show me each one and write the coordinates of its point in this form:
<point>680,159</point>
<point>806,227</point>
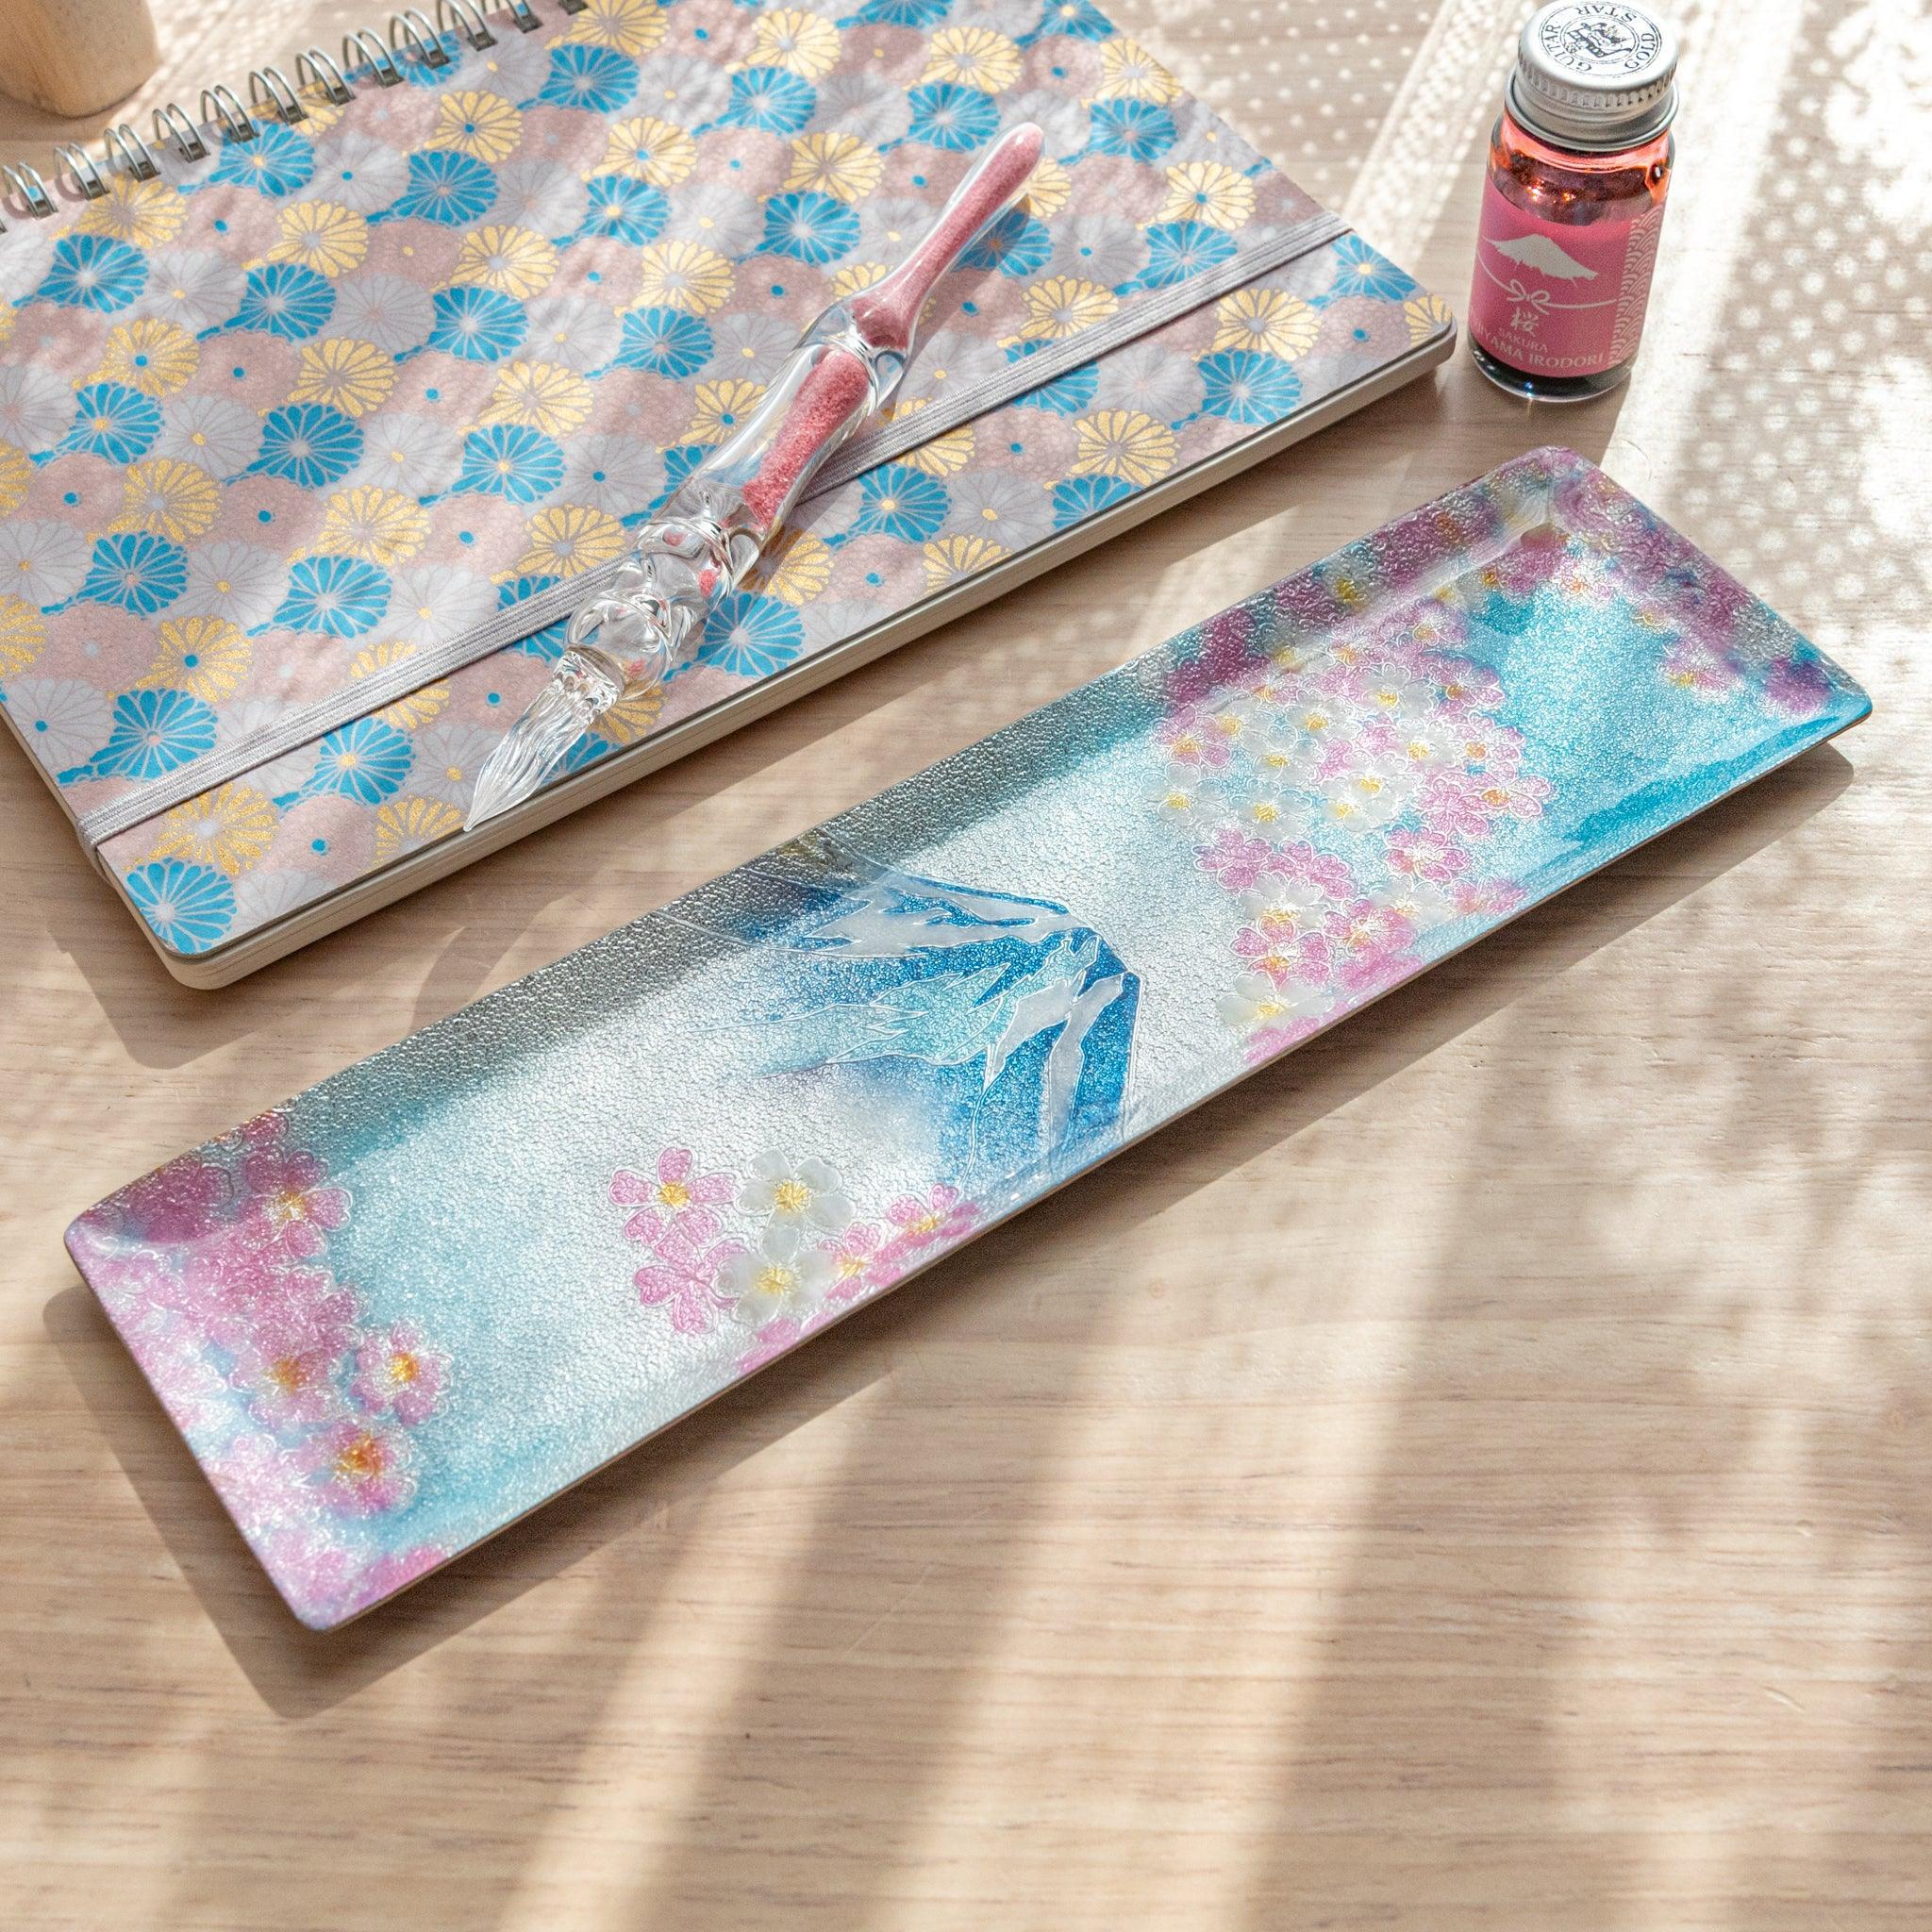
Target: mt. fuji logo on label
<point>1539,252</point>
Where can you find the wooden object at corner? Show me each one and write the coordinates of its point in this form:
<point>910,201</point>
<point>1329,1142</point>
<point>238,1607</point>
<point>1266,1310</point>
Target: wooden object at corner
<point>76,57</point>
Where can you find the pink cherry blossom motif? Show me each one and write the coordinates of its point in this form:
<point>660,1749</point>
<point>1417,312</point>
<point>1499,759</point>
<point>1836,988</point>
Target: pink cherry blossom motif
<point>1521,794</point>
<point>1227,641</point>
<point>770,1343</point>
<point>1300,864</point>
<point>397,1374</point>
<point>1465,685</point>
<point>179,1370</point>
<point>675,1195</point>
<point>387,1573</point>
<point>1451,806</point>
<point>1694,665</point>
<point>1265,1043</point>
<point>1371,943</point>
<point>936,1220</point>
<point>854,1257</point>
<point>1272,954</point>
<point>1238,859</point>
<point>180,1202</point>
<point>1797,687</point>
<point>1425,855</point>
<point>1192,741</point>
<point>313,1572</point>
<point>359,1467</point>
<point>261,1482</point>
<point>684,1278</point>
<point>290,1206</point>
<point>285,1359</point>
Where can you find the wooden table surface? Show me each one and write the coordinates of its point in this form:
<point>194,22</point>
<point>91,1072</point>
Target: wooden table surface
<point>1472,1475</point>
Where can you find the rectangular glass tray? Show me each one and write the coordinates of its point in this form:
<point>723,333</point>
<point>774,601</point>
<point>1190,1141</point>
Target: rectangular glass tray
<point>418,1300</point>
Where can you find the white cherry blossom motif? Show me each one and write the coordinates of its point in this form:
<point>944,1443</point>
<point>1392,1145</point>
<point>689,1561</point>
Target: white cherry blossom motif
<point>581,334</point>
<point>36,406</point>
<point>1255,1000</point>
<point>41,563</point>
<point>784,1276</point>
<point>193,287</point>
<point>805,1194</point>
<point>1366,793</point>
<point>241,582</point>
<point>1419,901</point>
<point>1284,909</point>
<point>61,719</point>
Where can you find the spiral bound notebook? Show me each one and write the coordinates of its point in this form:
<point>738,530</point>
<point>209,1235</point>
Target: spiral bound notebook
<point>321,408</point>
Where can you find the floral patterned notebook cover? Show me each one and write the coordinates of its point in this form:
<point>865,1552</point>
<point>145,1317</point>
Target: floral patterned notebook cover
<point>307,448</point>
<point>397,1312</point>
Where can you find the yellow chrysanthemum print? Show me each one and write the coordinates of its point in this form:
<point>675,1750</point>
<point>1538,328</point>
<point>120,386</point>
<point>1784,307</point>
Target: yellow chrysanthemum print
<point>856,275</point>
<point>943,455</point>
<point>1063,306</point>
<point>796,570</point>
<point>144,214</point>
<point>682,275</point>
<point>352,376</point>
<point>1269,321</point>
<point>629,719</point>
<point>418,706</point>
<point>480,125</point>
<point>16,474</point>
<point>719,408</point>
<point>839,165</point>
<point>319,113</point>
<point>949,559</point>
<point>208,656</point>
<point>322,236</point>
<point>1124,443</point>
<point>974,57</point>
<point>566,540</point>
<point>23,632</point>
<point>1209,192</point>
<point>169,499</point>
<point>540,396</point>
<point>1047,189</point>
<point>650,150</point>
<point>1425,314</point>
<point>381,526</point>
<point>1129,72</point>
<point>229,828</point>
<point>8,314</point>
<point>407,824</point>
<point>632,26</point>
<point>803,44</point>
<point>514,261</point>
<point>151,355</point>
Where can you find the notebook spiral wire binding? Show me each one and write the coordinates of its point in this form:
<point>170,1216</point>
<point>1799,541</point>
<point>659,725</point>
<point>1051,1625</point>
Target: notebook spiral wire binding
<point>271,97</point>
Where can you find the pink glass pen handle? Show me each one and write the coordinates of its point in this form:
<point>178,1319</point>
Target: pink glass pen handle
<point>715,525</point>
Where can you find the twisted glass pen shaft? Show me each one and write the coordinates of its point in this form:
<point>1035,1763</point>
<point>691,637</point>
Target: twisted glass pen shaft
<point>718,522</point>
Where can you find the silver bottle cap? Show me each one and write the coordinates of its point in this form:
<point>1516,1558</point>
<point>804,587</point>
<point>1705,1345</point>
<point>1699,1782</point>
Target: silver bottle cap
<point>1597,75</point>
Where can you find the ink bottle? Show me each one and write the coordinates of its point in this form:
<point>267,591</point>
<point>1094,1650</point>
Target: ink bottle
<point>1579,165</point>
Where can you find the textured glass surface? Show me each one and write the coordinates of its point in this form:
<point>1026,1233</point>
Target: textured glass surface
<point>420,1298</point>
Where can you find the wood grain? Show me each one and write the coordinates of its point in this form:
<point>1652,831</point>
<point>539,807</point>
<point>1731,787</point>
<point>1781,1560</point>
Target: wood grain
<point>1471,1476</point>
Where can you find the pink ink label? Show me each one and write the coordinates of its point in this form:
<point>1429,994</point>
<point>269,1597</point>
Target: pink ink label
<point>1561,298</point>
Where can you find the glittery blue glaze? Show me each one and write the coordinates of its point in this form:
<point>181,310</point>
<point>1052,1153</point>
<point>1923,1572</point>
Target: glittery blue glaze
<point>436,1289</point>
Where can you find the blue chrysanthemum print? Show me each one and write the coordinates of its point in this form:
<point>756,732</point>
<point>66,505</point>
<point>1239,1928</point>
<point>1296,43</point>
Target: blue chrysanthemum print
<point>155,732</point>
<point>750,636</point>
<point>187,908</point>
<point>809,227</point>
<point>136,570</point>
<point>546,643</point>
<point>1080,19</point>
<point>1140,129</point>
<point>286,299</point>
<point>1246,386</point>
<point>307,445</point>
<point>510,460</point>
<point>906,12</point>
<point>628,210</point>
<point>1359,271</point>
<point>1065,394</point>
<point>111,420</point>
<point>947,115</point>
<point>898,501</point>
<point>1079,497</point>
<point>367,762</point>
<point>680,462</point>
<point>477,325</point>
<point>276,161</point>
<point>771,100</point>
<point>342,596</point>
<point>598,78</point>
<point>666,342</point>
<point>1178,251</point>
<point>93,272</point>
<point>1016,245</point>
<point>447,187</point>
